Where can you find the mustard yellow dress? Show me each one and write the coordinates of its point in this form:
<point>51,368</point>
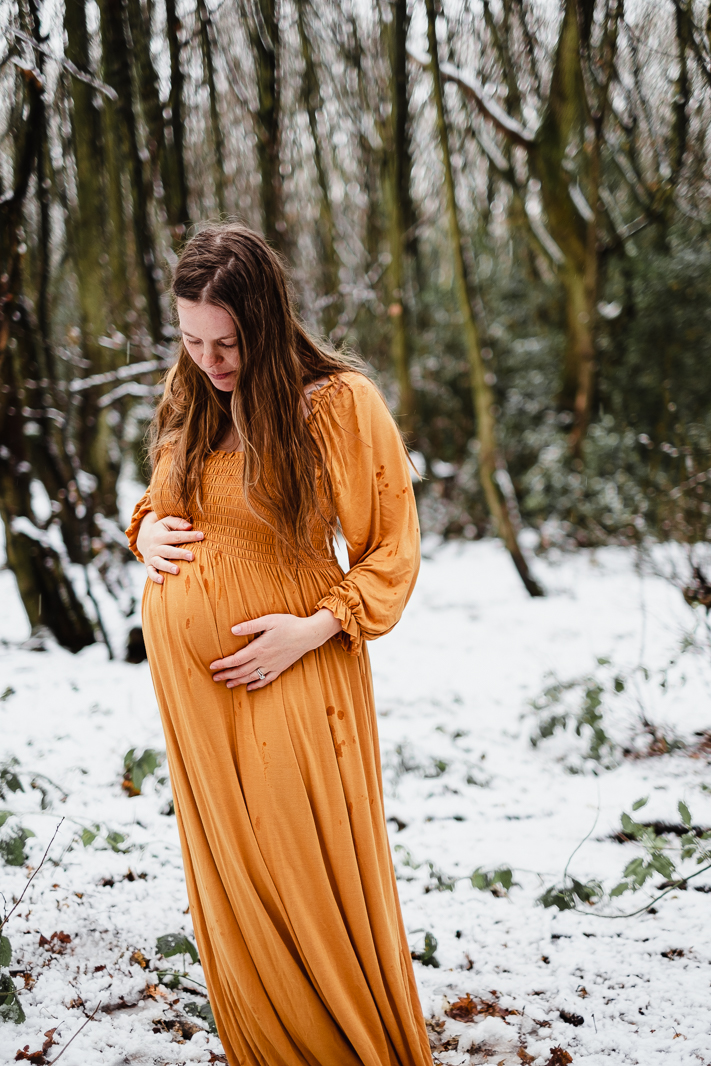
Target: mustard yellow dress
<point>278,792</point>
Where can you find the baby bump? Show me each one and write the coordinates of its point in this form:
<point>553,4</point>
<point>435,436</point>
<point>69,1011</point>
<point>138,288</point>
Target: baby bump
<point>196,609</point>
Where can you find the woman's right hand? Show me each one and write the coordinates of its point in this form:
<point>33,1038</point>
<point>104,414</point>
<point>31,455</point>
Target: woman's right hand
<point>157,540</point>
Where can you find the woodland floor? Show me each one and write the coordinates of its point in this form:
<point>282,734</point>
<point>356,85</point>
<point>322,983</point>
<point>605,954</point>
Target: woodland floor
<point>464,790</point>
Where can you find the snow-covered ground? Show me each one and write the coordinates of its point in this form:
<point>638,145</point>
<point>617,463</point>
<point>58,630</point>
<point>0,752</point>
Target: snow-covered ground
<point>464,790</point>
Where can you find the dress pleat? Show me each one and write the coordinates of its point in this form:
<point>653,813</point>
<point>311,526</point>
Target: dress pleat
<point>278,792</point>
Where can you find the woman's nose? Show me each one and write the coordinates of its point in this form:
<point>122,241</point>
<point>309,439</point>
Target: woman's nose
<point>211,356</point>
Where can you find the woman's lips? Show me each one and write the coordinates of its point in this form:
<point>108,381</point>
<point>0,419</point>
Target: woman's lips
<point>219,377</point>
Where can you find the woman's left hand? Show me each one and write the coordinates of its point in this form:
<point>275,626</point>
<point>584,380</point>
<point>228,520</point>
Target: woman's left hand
<point>283,639</point>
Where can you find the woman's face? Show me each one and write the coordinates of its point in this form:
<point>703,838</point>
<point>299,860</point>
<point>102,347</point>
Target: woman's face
<point>210,341</point>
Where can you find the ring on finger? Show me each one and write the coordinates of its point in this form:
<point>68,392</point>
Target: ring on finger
<point>262,676</point>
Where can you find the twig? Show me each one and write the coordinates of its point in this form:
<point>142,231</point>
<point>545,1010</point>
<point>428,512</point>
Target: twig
<point>83,1026</point>
<point>67,65</point>
<point>8,916</point>
<point>182,976</point>
<point>641,910</point>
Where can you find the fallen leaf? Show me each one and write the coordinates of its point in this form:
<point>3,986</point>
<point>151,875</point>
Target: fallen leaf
<point>559,1057</point>
<point>466,1008</point>
<point>572,1019</point>
<point>525,1057</point>
<point>37,1057</point>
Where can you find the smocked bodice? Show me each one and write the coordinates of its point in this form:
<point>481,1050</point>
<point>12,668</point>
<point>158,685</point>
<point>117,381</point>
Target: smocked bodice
<point>229,525</point>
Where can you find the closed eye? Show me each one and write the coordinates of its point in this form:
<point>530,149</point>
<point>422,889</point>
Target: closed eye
<point>195,340</point>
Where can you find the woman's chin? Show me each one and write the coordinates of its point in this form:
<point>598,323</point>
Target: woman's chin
<point>225,384</point>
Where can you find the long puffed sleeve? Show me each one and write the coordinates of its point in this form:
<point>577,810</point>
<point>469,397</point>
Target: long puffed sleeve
<point>139,513</point>
<point>375,502</point>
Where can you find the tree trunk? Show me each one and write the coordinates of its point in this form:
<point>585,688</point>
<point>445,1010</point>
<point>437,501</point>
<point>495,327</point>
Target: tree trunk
<point>178,184</point>
<point>162,148</point>
<point>329,263</point>
<point>206,30</point>
<point>117,74</point>
<point>265,40</point>
<point>564,119</point>
<point>46,592</point>
<point>398,203</point>
<point>491,461</point>
<point>87,243</point>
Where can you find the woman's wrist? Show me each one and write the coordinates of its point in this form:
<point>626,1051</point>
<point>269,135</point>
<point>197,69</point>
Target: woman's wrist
<point>324,625</point>
<point>143,525</point>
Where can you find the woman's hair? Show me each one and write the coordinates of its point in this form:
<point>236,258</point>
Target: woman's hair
<point>234,268</point>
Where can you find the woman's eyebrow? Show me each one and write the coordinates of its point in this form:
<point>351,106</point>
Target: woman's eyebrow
<point>227,337</point>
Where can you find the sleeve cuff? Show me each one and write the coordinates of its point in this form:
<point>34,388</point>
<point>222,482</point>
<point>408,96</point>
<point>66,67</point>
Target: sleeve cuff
<point>139,513</point>
<point>350,636</point>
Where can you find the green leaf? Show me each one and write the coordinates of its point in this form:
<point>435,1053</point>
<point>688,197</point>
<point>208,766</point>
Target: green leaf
<point>10,780</point>
<point>640,803</point>
<point>176,944</point>
<point>562,898</point>
<point>204,1012</point>
<point>88,836</point>
<point>503,877</point>
<point>10,1006</point>
<point>619,889</point>
<point>480,880</point>
<point>136,768</point>
<point>5,951</point>
<point>114,840</point>
<point>427,957</point>
<point>619,684</point>
<point>589,892</point>
<point>12,849</point>
<point>684,812</point>
<point>4,815</point>
<point>632,829</point>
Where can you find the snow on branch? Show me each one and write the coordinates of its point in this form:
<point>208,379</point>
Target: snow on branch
<point>123,372</point>
<point>66,64</point>
<point>473,88</point>
<point>129,388</point>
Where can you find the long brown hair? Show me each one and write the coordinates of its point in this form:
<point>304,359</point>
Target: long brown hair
<point>234,268</point>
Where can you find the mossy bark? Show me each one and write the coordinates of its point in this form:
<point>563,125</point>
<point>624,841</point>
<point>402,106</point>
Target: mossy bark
<point>491,460</point>
<point>46,591</point>
<point>329,262</point>
<point>399,210</point>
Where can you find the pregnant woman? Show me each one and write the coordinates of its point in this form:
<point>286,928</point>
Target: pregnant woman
<point>263,442</point>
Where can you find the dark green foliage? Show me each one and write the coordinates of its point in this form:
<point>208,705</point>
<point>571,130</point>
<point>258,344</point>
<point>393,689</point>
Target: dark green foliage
<point>587,720</point>
<point>567,895</point>
<point>9,781</point>
<point>203,1011</point>
<point>639,454</point>
<point>659,856</point>
<point>115,840</point>
<point>136,768</point>
<point>5,952</point>
<point>176,944</point>
<point>12,848</point>
<point>10,1006</point>
<point>487,882</point>
<point>427,956</point>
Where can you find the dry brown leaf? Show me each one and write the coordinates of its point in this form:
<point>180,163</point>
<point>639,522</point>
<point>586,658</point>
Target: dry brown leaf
<point>559,1057</point>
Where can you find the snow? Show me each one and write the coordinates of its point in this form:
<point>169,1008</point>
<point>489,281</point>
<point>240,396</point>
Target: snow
<point>464,790</point>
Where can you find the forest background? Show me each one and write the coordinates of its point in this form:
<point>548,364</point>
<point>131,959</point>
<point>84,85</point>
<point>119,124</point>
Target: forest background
<point>504,205</point>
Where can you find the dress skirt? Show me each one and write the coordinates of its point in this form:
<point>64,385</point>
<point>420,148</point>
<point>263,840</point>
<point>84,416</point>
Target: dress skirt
<point>278,792</point>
